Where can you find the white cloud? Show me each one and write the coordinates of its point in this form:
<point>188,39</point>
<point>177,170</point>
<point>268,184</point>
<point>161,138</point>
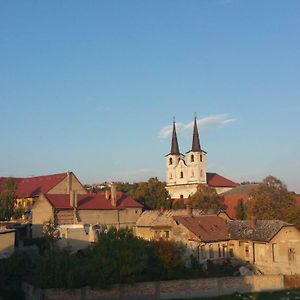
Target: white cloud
<point>215,121</point>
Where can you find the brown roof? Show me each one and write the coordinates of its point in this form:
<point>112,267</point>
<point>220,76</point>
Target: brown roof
<point>206,228</point>
<point>216,180</point>
<point>157,218</point>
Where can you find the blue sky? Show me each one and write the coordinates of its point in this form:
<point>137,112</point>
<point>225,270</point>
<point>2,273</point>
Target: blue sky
<point>88,86</point>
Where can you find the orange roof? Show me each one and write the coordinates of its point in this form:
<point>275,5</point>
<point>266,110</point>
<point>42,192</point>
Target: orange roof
<point>231,202</point>
<point>216,180</point>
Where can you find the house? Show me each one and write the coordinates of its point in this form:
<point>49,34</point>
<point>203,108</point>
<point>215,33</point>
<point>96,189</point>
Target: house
<point>7,242</point>
<point>273,246</point>
<point>202,233</point>
<point>29,189</point>
<point>109,208</point>
<point>185,172</point>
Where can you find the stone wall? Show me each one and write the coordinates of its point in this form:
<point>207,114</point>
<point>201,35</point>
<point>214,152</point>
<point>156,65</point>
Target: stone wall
<point>175,289</point>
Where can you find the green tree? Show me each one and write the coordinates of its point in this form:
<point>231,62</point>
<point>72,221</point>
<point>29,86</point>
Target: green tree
<point>206,197</point>
<point>117,257</point>
<point>152,194</point>
<point>271,200</point>
<point>240,210</point>
<point>8,198</point>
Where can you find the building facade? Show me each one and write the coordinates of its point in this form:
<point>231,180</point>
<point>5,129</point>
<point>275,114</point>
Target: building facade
<point>185,172</point>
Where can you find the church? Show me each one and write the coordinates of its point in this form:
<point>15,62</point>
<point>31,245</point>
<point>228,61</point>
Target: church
<point>185,172</point>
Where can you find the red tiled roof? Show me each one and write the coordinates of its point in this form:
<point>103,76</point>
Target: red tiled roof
<point>216,180</point>
<point>206,228</point>
<point>92,201</point>
<point>231,202</point>
<point>34,186</point>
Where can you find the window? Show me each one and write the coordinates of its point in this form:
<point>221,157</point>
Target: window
<point>201,173</point>
<point>181,196</point>
<point>274,247</point>
<point>171,177</point>
<point>156,234</point>
<point>170,161</point>
<point>224,250</point>
<point>181,174</point>
<point>230,252</point>
<point>247,251</point>
<point>193,174</point>
<point>200,157</point>
<point>291,254</point>
<point>192,158</point>
<point>203,254</point>
<point>166,234</point>
<point>211,251</point>
<point>219,250</point>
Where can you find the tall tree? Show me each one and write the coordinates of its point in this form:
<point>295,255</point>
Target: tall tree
<point>7,198</point>
<point>205,198</point>
<point>271,200</point>
<point>240,210</point>
<point>152,194</point>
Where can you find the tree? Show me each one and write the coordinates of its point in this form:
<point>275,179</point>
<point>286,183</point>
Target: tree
<point>271,200</point>
<point>240,210</point>
<point>8,198</point>
<point>152,194</point>
<point>205,198</point>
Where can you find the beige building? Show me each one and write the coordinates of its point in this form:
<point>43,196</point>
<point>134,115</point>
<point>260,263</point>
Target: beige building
<point>272,246</point>
<point>269,246</point>
<point>203,234</point>
<point>185,172</point>
<point>110,209</point>
<point>7,242</point>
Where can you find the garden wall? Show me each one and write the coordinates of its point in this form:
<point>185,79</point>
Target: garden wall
<point>175,289</point>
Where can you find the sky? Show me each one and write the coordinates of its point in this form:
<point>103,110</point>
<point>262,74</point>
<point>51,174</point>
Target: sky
<point>92,86</point>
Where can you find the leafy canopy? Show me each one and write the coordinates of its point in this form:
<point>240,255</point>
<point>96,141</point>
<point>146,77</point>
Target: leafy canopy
<point>7,198</point>
<point>206,197</point>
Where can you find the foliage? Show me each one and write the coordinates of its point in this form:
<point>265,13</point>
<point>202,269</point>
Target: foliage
<point>151,194</point>
<point>50,233</point>
<point>7,198</point>
<point>240,210</point>
<point>118,256</point>
<point>205,198</point>
<point>271,200</point>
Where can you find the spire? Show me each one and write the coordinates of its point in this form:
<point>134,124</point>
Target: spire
<point>174,145</point>
<point>196,142</point>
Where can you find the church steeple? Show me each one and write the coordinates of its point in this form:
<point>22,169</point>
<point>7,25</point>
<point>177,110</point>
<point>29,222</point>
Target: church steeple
<point>196,141</point>
<point>174,145</point>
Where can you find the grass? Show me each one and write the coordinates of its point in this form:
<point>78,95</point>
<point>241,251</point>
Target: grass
<point>280,295</point>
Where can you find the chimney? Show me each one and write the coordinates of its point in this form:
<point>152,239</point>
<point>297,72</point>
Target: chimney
<point>189,210</point>
<point>253,221</point>
<point>113,187</point>
<point>69,182</point>
<point>106,194</point>
<point>73,198</point>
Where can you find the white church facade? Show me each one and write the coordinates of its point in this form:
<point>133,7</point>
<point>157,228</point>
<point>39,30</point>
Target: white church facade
<point>185,172</point>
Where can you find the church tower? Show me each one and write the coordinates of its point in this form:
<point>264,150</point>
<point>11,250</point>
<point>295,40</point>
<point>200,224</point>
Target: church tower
<point>196,159</point>
<point>173,159</point>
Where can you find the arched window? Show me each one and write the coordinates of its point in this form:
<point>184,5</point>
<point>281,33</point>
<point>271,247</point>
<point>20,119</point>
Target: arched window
<point>181,174</point>
<point>201,173</point>
<point>171,177</point>
<point>200,157</point>
<point>192,158</point>
<point>193,174</point>
<point>181,196</point>
<point>170,161</point>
